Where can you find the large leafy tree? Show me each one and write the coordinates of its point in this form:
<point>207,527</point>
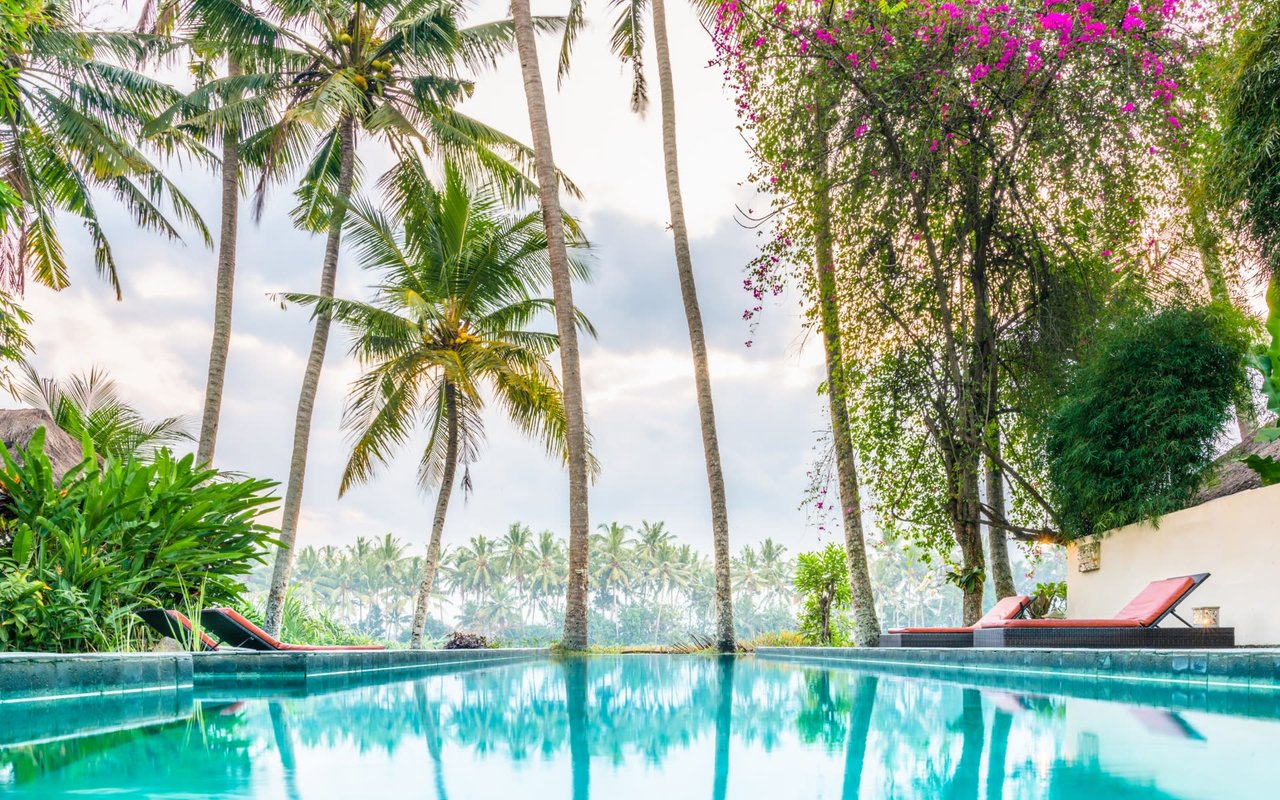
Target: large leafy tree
<point>990,170</point>
<point>575,616</point>
<point>451,323</point>
<point>628,43</point>
<point>389,70</point>
<point>72,112</point>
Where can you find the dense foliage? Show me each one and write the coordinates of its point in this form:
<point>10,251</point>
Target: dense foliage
<point>78,555</point>
<point>822,579</point>
<point>1137,428</point>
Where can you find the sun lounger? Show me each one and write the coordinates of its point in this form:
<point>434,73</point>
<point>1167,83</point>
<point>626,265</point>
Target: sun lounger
<point>1136,625</point>
<point>175,625</point>
<point>1008,608</point>
<point>236,631</point>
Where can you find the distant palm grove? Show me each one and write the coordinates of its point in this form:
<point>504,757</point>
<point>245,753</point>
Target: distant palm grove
<point>647,587</point>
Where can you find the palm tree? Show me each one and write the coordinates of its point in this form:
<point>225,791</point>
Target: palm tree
<point>575,615</point>
<point>547,571</point>
<point>388,70</point>
<point>613,567</point>
<point>72,117</point>
<point>450,319</point>
<point>628,44</point>
<point>233,29</point>
<point>89,405</point>
<point>478,568</point>
<point>516,550</point>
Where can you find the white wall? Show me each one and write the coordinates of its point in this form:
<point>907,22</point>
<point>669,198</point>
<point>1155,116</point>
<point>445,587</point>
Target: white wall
<point>1236,538</point>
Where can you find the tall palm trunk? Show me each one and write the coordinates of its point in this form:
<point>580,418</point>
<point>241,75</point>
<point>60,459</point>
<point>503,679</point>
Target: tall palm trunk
<point>437,522</point>
<point>697,339</point>
<point>575,611</point>
<point>225,292</point>
<point>310,384</point>
<point>866,627</point>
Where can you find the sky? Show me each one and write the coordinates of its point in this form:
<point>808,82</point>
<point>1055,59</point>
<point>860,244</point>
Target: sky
<point>638,374</point>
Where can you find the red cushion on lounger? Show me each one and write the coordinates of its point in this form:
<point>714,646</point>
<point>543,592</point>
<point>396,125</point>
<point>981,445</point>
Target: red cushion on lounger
<point>1008,608</point>
<point>279,645</point>
<point>1154,600</point>
<point>181,619</point>
<point>1063,623</point>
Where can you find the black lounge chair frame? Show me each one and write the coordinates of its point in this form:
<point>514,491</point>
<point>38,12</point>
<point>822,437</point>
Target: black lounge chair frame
<point>1150,636</point>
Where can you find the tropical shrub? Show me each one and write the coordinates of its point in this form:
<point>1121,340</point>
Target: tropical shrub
<point>304,622</point>
<point>80,554</point>
<point>1134,436</point>
<point>822,578</point>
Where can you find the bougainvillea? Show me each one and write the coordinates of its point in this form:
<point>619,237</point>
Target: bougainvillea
<point>980,179</point>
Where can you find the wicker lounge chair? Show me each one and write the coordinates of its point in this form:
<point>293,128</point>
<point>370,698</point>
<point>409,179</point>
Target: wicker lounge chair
<point>1136,625</point>
<point>1008,608</point>
<point>236,631</point>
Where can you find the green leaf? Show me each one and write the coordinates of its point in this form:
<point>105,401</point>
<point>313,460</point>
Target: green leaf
<point>1267,467</point>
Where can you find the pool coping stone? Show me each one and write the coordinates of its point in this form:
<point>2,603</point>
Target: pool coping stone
<point>1238,668</point>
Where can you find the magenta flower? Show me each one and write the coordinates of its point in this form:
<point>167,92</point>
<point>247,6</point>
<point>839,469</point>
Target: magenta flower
<point>1057,21</point>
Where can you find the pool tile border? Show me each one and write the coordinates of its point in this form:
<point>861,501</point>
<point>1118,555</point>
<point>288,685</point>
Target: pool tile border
<point>293,669</point>
<point>45,677</point>
<point>1251,669</point>
<point>39,677</point>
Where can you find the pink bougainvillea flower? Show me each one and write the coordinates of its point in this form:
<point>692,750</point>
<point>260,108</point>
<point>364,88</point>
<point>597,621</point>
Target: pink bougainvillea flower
<point>1126,108</point>
<point>859,131</point>
<point>1132,20</point>
<point>1106,254</point>
<point>1057,21</point>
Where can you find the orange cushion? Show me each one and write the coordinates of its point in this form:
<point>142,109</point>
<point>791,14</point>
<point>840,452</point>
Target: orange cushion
<point>1154,600</point>
<point>1063,623</point>
<point>1008,608</point>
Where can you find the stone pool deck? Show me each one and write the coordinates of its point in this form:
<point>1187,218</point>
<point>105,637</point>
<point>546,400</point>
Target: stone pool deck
<point>1254,669</point>
<point>44,677</point>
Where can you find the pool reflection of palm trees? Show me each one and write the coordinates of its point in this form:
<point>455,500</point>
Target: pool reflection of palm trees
<point>593,721</point>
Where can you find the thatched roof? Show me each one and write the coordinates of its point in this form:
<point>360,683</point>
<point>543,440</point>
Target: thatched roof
<point>1231,476</point>
<point>17,425</point>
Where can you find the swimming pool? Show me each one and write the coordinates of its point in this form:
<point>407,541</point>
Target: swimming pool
<point>669,727</point>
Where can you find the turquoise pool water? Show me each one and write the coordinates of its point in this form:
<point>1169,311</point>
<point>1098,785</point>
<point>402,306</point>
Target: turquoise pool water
<point>663,728</point>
